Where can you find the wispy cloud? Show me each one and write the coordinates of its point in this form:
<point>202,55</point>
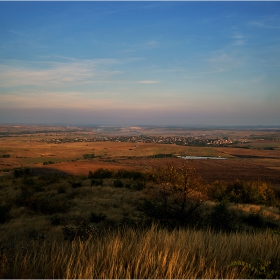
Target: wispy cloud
<point>271,22</point>
<point>56,99</point>
<point>238,40</point>
<point>148,45</point>
<point>56,73</point>
<point>148,82</point>
<point>222,61</point>
<point>264,25</point>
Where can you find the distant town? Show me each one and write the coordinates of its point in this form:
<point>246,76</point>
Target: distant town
<point>177,140</point>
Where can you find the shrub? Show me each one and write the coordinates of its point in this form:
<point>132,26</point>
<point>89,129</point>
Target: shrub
<point>221,219</point>
<point>118,183</point>
<point>4,213</point>
<point>100,174</point>
<point>97,218</point>
<point>254,219</point>
<point>21,172</point>
<point>96,182</point>
<point>6,169</point>
<point>82,232</point>
<point>51,178</point>
<point>139,186</point>
<point>129,174</point>
<point>55,220</point>
<point>47,205</point>
<point>36,235</point>
<point>61,190</point>
<point>243,192</point>
<point>87,156</point>
<point>260,269</point>
<point>76,184</point>
<point>5,156</point>
<point>48,162</point>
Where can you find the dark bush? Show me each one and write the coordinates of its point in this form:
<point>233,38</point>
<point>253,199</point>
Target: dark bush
<point>87,156</point>
<point>97,218</point>
<point>82,232</point>
<point>28,181</point>
<point>21,172</point>
<point>118,183</point>
<point>96,182</point>
<point>47,205</point>
<point>254,219</point>
<point>61,190</point>
<point>55,220</point>
<point>36,235</point>
<point>51,178</point>
<point>139,186</point>
<point>48,162</point>
<point>76,184</point>
<point>100,174</point>
<point>50,205</point>
<point>4,213</point>
<point>5,156</point>
<point>221,218</point>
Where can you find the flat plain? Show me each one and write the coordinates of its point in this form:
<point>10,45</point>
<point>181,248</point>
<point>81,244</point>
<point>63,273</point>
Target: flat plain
<point>252,154</point>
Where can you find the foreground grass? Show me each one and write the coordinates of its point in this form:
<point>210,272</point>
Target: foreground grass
<point>131,253</point>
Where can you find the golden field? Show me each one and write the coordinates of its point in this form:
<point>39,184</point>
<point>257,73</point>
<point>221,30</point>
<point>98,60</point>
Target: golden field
<point>62,222</point>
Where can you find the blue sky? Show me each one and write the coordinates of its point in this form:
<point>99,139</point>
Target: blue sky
<point>140,63</point>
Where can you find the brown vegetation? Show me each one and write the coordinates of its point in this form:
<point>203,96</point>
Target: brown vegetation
<point>121,210</point>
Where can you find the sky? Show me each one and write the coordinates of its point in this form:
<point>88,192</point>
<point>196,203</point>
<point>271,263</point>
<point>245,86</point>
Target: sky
<point>140,63</point>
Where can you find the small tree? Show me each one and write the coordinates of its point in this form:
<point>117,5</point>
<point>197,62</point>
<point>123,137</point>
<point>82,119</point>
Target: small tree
<point>179,190</point>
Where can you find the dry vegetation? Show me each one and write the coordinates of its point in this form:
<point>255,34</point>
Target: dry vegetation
<point>136,217</point>
<point>129,253</point>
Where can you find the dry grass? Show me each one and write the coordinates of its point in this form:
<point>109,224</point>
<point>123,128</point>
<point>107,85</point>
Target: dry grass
<point>152,253</point>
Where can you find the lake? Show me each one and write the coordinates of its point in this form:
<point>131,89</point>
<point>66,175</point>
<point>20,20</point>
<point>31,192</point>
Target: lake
<point>200,157</point>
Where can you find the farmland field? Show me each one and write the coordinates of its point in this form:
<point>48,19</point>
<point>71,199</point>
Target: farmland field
<point>256,156</point>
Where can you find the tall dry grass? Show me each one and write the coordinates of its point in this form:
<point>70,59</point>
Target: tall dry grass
<point>131,253</point>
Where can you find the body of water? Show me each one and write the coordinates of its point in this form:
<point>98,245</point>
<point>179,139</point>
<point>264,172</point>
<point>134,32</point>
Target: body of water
<point>199,157</point>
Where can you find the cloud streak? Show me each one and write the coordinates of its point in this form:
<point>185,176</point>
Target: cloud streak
<point>148,82</point>
<point>56,73</point>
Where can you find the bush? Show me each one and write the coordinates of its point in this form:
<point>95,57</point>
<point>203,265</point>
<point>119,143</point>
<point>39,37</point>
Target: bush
<point>48,162</point>
<point>5,156</point>
<point>47,205</point>
<point>76,185</point>
<point>97,218</point>
<point>87,156</point>
<point>61,190</point>
<point>96,182</point>
<point>254,219</point>
<point>82,232</point>
<point>139,186</point>
<point>118,183</point>
<point>260,269</point>
<point>243,192</point>
<point>100,174</point>
<point>21,172</point>
<point>55,220</point>
<point>4,213</point>
<point>221,219</point>
<point>127,174</point>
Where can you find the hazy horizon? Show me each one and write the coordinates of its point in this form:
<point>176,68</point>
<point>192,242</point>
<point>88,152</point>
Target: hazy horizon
<point>140,63</point>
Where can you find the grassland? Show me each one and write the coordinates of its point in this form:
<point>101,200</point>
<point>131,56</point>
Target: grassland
<point>59,221</point>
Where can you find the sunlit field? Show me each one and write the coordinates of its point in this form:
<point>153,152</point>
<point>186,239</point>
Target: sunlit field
<point>130,253</point>
<point>110,209</point>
